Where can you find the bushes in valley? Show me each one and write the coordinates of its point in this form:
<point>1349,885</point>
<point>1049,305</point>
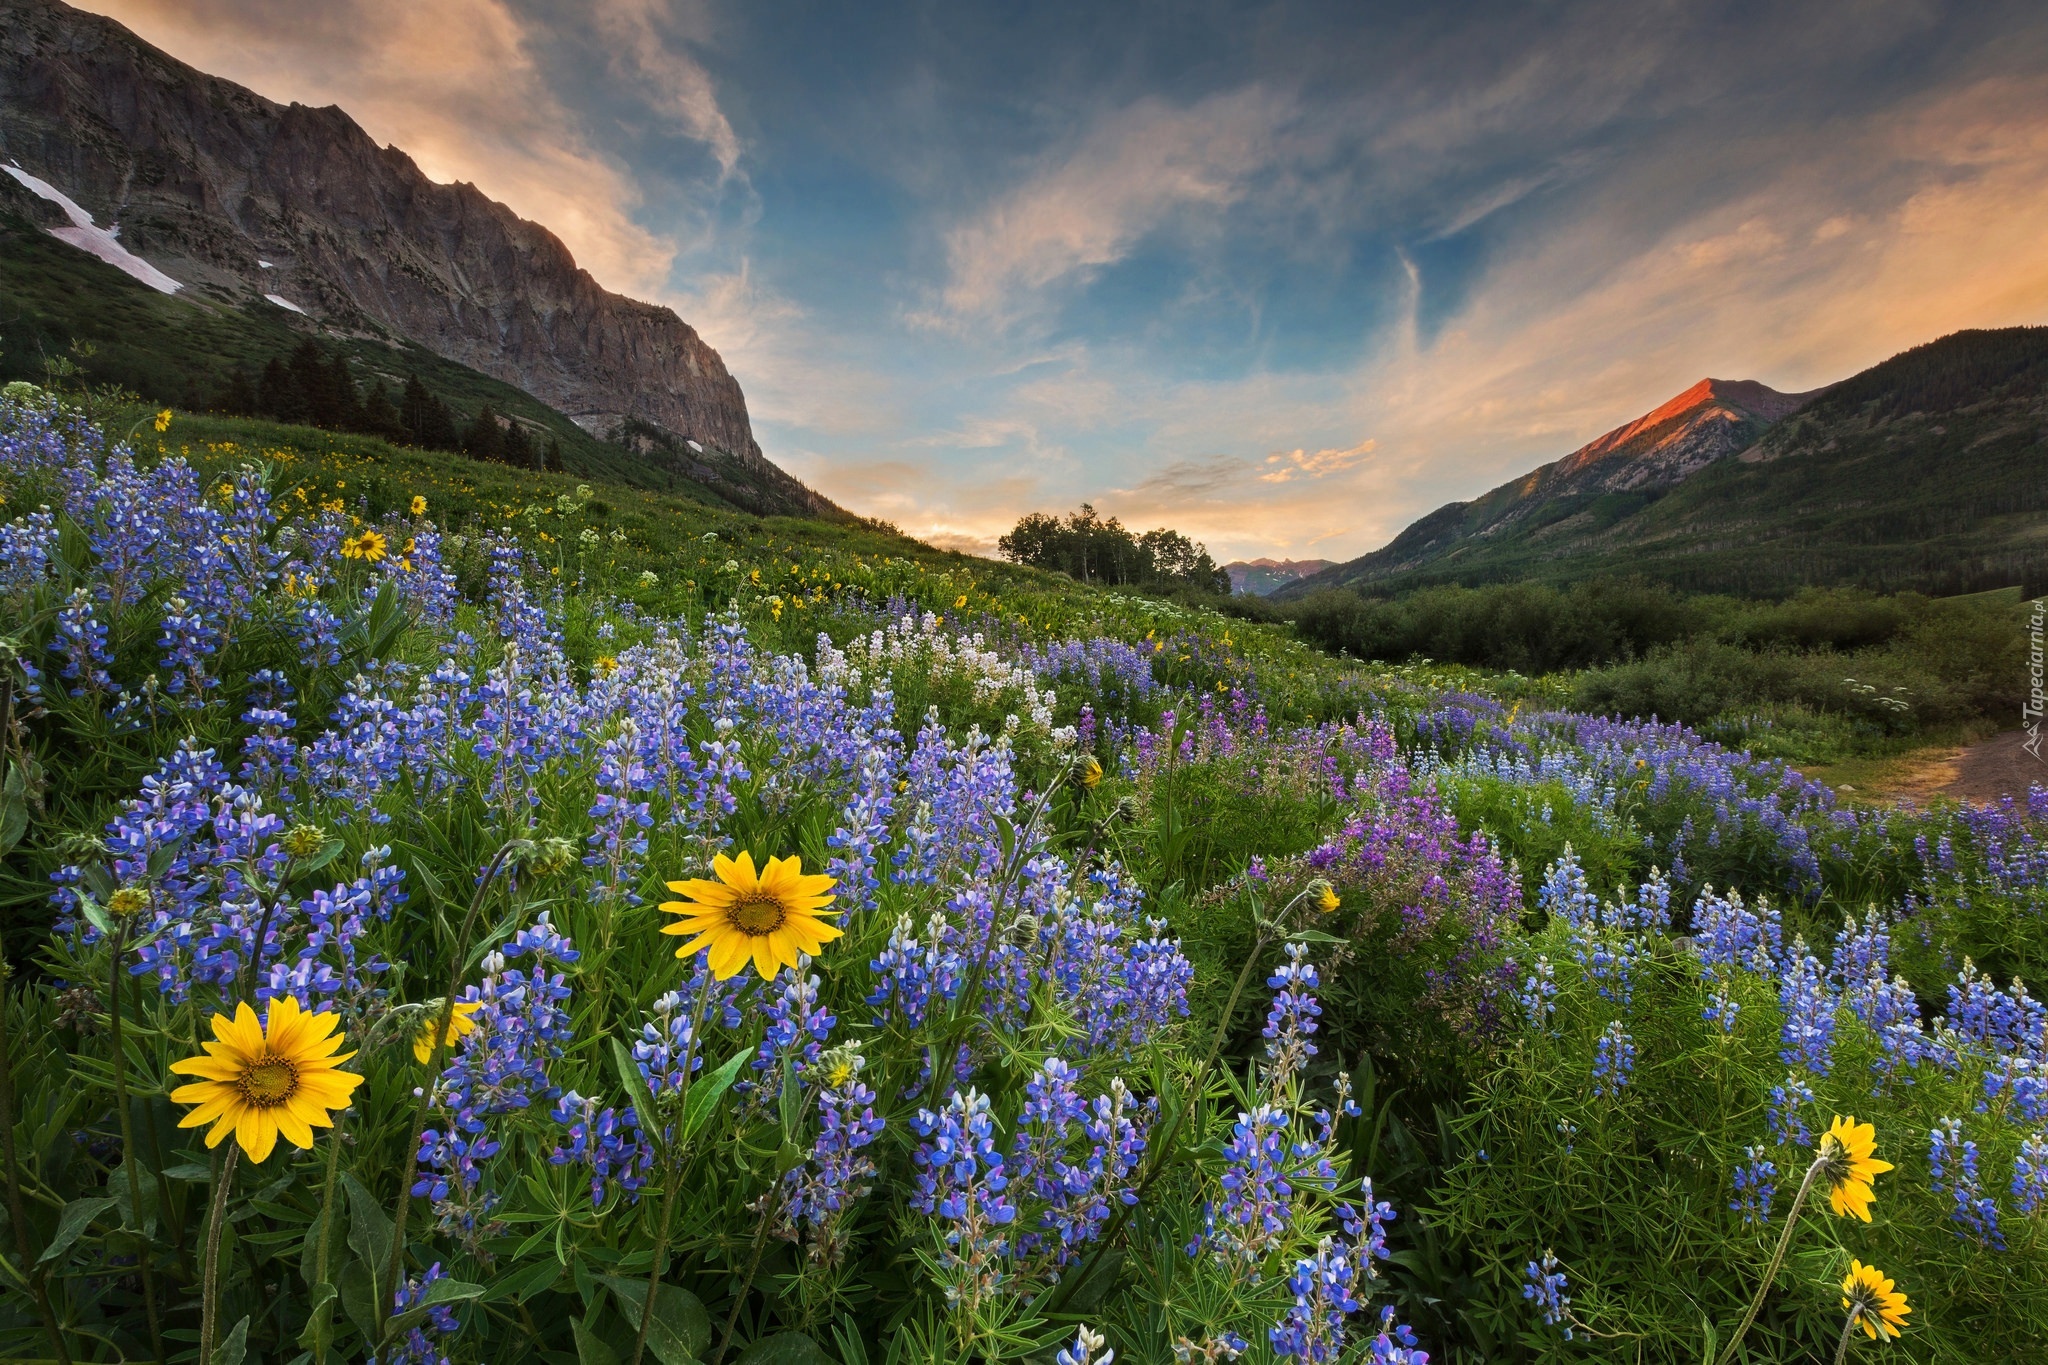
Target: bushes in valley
<point>1528,627</point>
<point>1890,664</point>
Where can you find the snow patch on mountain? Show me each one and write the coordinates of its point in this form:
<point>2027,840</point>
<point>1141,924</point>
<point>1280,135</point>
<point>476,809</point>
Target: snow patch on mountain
<point>101,242</point>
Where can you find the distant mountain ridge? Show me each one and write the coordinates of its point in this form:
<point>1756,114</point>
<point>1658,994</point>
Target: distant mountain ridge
<point>1710,421</point>
<point>1262,576</point>
<point>1928,471</point>
<point>239,198</point>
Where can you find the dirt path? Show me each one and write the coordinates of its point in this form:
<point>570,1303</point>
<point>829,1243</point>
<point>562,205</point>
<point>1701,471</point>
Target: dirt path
<point>1984,772</point>
<point>1998,767</point>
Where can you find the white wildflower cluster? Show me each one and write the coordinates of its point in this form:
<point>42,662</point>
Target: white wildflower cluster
<point>912,646</point>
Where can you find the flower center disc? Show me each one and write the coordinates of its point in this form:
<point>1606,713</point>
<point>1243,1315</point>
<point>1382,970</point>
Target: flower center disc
<point>758,917</point>
<point>269,1082</point>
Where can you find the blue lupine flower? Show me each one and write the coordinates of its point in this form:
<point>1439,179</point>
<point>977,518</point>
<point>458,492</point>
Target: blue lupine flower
<point>1952,1167</point>
<point>1544,1284</point>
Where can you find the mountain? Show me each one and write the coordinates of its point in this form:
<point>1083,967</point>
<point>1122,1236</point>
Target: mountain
<point>238,201</point>
<point>1928,471</point>
<point>1262,576</point>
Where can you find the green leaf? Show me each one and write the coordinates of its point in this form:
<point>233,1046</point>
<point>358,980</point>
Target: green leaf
<point>359,1300</point>
<point>77,1216</point>
<point>319,1331</point>
<point>329,851</point>
<point>528,1280</point>
<point>589,1349</point>
<point>13,807</point>
<point>95,916</point>
<point>681,1329</point>
<point>637,1091</point>
<point>234,1347</point>
<point>785,1348</point>
<point>337,1240</point>
<point>705,1094</point>
<point>438,1293</point>
<point>162,856</point>
<point>369,1233</point>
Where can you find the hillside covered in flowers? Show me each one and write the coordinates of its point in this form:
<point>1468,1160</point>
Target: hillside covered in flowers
<point>457,914</point>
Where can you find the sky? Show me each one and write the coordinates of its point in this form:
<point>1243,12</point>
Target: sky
<point>1282,276</point>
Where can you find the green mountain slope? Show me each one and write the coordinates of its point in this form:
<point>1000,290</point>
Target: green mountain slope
<point>179,350</point>
<point>1927,472</point>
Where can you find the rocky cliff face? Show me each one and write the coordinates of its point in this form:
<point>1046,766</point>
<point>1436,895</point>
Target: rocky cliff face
<point>236,196</point>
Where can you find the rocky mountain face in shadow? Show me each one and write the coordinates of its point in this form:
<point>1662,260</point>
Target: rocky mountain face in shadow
<point>238,197</point>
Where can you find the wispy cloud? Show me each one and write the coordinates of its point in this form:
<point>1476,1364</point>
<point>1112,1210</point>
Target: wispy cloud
<point>1090,204</point>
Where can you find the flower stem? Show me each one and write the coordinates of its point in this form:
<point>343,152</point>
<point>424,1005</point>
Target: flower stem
<point>30,1270</point>
<point>247,983</point>
<point>747,1281</point>
<point>1848,1333</point>
<point>672,1163</point>
<point>1777,1259</point>
<point>209,1292</point>
<point>117,946</point>
<point>411,1156</point>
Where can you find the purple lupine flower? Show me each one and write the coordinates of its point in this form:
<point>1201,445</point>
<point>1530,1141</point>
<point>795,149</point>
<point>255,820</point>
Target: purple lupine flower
<point>1543,1283</point>
<point>1952,1167</point>
<point>1755,1187</point>
<point>1614,1061</point>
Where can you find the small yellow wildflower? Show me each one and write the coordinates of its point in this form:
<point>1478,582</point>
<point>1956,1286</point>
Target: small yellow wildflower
<point>1849,1166</point>
<point>163,420</point>
<point>1871,1302</point>
<point>459,1023</point>
<point>419,505</point>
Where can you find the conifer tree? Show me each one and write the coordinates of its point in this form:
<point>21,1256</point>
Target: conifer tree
<point>485,439</point>
<point>277,396</point>
<point>380,418</point>
<point>554,456</point>
<point>518,451</point>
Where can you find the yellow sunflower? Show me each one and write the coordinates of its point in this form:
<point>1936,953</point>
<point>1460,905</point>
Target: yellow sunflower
<point>419,505</point>
<point>1845,1150</point>
<point>1091,771</point>
<point>769,917</point>
<point>1871,1302</point>
<point>459,1023</point>
<point>1328,901</point>
<point>259,1080</point>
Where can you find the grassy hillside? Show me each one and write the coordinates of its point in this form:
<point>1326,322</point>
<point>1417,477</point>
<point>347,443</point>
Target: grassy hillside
<point>1922,473</point>
<point>57,302</point>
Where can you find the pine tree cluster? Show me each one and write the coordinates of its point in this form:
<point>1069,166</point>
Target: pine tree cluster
<point>313,388</point>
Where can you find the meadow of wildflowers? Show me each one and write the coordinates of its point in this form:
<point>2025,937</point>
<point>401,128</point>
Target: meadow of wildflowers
<point>453,918</point>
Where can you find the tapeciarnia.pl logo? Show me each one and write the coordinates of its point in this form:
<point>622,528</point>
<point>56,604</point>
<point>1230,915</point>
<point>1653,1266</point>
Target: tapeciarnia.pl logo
<point>2037,678</point>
